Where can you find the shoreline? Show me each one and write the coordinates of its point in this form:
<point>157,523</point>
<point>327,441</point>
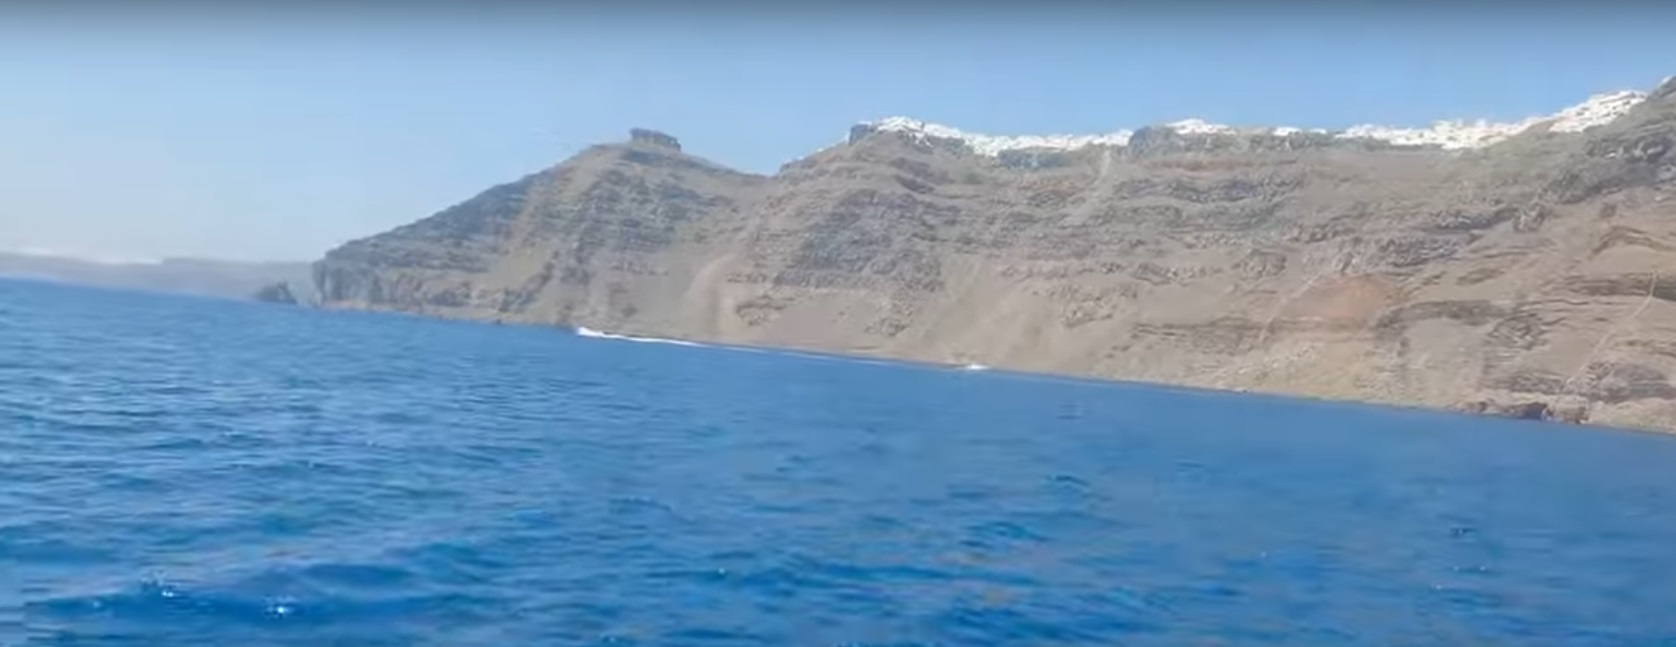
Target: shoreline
<point>1001,368</point>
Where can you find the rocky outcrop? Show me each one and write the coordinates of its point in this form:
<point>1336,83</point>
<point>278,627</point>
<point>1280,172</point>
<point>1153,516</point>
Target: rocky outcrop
<point>1530,410</point>
<point>653,138</point>
<point>1534,276</point>
<point>276,293</point>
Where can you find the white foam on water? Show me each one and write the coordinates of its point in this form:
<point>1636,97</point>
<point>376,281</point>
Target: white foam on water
<point>584,331</point>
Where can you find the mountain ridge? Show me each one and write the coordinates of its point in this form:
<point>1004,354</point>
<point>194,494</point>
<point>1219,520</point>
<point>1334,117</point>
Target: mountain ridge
<point>1598,109</point>
<point>1521,276</point>
<point>194,276</point>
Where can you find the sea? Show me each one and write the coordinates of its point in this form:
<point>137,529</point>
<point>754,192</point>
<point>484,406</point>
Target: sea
<point>190,471</point>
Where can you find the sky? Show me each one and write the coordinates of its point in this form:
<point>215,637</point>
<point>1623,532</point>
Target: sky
<point>277,132</point>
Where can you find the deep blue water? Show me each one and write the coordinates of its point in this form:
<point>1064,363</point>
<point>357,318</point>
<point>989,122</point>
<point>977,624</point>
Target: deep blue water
<point>178,471</point>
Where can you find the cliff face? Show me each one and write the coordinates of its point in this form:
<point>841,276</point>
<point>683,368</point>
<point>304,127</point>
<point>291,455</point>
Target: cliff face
<point>1538,269</point>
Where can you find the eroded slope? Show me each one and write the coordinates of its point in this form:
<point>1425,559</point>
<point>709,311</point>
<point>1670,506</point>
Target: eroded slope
<point>1530,268</point>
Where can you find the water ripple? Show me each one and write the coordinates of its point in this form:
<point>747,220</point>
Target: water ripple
<point>185,471</point>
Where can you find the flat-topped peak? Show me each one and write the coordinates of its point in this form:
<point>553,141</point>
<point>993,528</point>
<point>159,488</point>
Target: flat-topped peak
<point>654,138</point>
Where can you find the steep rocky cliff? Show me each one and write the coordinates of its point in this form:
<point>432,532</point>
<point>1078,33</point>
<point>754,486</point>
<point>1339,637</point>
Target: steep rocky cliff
<point>1527,268</point>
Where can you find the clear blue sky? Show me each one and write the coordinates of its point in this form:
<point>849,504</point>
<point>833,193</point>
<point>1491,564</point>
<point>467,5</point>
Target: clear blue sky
<point>276,134</point>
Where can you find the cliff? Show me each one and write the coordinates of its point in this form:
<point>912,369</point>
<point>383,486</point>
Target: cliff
<point>1528,268</point>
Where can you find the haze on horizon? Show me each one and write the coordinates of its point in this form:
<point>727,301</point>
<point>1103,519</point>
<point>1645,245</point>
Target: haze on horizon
<point>275,134</point>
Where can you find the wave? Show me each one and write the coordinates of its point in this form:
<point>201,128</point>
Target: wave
<point>974,367</point>
<point>585,331</point>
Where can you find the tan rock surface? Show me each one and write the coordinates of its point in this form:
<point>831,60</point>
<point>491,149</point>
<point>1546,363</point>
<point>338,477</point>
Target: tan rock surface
<point>1541,269</point>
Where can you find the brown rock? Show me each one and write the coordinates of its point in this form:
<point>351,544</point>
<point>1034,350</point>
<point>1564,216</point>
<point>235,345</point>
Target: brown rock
<point>1302,264</point>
